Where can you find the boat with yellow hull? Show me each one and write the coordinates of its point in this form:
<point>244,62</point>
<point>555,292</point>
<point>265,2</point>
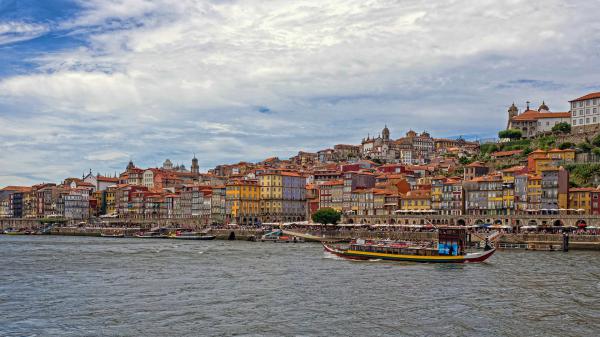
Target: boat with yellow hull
<point>449,248</point>
<point>416,255</point>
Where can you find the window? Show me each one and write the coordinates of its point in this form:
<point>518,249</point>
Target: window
<point>547,123</point>
<point>581,112</point>
<point>580,121</point>
<point>595,110</point>
<point>595,101</point>
<point>580,104</point>
<point>587,120</point>
<point>587,111</point>
<point>594,119</point>
<point>587,103</point>
<point>574,113</point>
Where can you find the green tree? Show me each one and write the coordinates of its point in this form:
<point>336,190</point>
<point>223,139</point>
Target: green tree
<point>488,148</point>
<point>327,215</point>
<point>566,145</point>
<point>464,160</point>
<point>596,151</point>
<point>584,147</point>
<point>562,127</point>
<point>596,141</point>
<point>510,133</point>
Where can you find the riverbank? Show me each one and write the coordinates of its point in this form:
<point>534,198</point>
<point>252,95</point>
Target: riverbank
<point>528,241</point>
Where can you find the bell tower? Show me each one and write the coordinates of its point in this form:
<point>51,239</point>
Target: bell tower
<point>195,168</point>
<point>513,111</point>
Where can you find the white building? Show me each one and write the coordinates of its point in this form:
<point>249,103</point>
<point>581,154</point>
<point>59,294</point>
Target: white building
<point>585,110</point>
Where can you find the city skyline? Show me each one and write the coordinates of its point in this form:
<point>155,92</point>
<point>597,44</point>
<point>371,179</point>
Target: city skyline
<point>91,84</point>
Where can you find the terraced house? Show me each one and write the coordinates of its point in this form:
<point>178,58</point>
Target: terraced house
<point>243,202</point>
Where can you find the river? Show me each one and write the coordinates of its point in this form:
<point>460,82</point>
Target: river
<point>74,286</point>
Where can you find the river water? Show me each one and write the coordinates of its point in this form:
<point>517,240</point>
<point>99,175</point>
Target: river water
<point>74,286</point>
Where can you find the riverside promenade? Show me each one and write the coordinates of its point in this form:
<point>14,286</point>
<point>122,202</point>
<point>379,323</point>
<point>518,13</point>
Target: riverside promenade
<point>525,240</point>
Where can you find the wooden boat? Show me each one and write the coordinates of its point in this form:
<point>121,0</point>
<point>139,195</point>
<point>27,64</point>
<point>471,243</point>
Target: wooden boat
<point>17,232</point>
<point>190,236</point>
<point>413,254</point>
<point>450,249</point>
<point>112,235</point>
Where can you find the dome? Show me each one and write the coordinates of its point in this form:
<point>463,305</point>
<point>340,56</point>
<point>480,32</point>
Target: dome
<point>167,164</point>
<point>513,108</point>
<point>543,107</point>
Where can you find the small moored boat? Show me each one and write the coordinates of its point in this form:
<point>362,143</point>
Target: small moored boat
<point>112,234</point>
<point>190,236</point>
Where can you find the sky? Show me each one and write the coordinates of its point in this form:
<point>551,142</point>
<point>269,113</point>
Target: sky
<point>91,84</point>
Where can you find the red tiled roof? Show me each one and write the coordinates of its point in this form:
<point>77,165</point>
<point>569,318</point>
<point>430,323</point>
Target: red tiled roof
<point>588,96</point>
<point>583,189</point>
<point>17,188</point>
<point>506,153</point>
<point>532,115</point>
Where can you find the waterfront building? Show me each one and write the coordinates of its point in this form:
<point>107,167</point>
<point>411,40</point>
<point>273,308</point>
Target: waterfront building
<point>484,195</point>
<point>532,122</point>
<point>173,205</point>
<point>534,192</point>
<point>508,188</point>
<point>555,188</point>
<point>452,197</point>
<point>362,202</point>
<point>150,205</point>
<point>520,194</point>
<point>352,181</point>
<point>585,112</point>
<point>416,200</point>
<point>193,201</point>
<point>217,205</point>
<point>243,202</point>
<point>437,191</point>
<point>539,160</point>
<point>331,195</point>
<point>585,199</point>
<point>282,196</point>
<point>75,204</point>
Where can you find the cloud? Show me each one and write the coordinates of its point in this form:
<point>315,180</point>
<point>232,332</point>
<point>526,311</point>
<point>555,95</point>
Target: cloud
<point>106,156</point>
<point>15,31</point>
<point>244,80</point>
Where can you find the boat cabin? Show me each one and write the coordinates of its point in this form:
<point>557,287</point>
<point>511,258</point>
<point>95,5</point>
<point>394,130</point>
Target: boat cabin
<point>452,241</point>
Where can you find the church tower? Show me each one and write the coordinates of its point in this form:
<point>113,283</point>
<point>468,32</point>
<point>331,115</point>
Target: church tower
<point>386,133</point>
<point>195,168</point>
<point>512,112</point>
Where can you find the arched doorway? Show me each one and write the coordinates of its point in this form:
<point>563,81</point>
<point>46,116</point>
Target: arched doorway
<point>532,223</point>
<point>581,223</point>
<point>350,221</point>
<point>461,222</point>
<point>558,223</point>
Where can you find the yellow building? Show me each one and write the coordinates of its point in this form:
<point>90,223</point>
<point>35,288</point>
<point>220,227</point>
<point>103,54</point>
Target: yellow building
<point>110,200</point>
<point>271,195</point>
<point>417,200</point>
<point>331,194</point>
<point>540,160</point>
<point>534,192</point>
<point>242,202</point>
<point>581,198</point>
<point>508,187</point>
